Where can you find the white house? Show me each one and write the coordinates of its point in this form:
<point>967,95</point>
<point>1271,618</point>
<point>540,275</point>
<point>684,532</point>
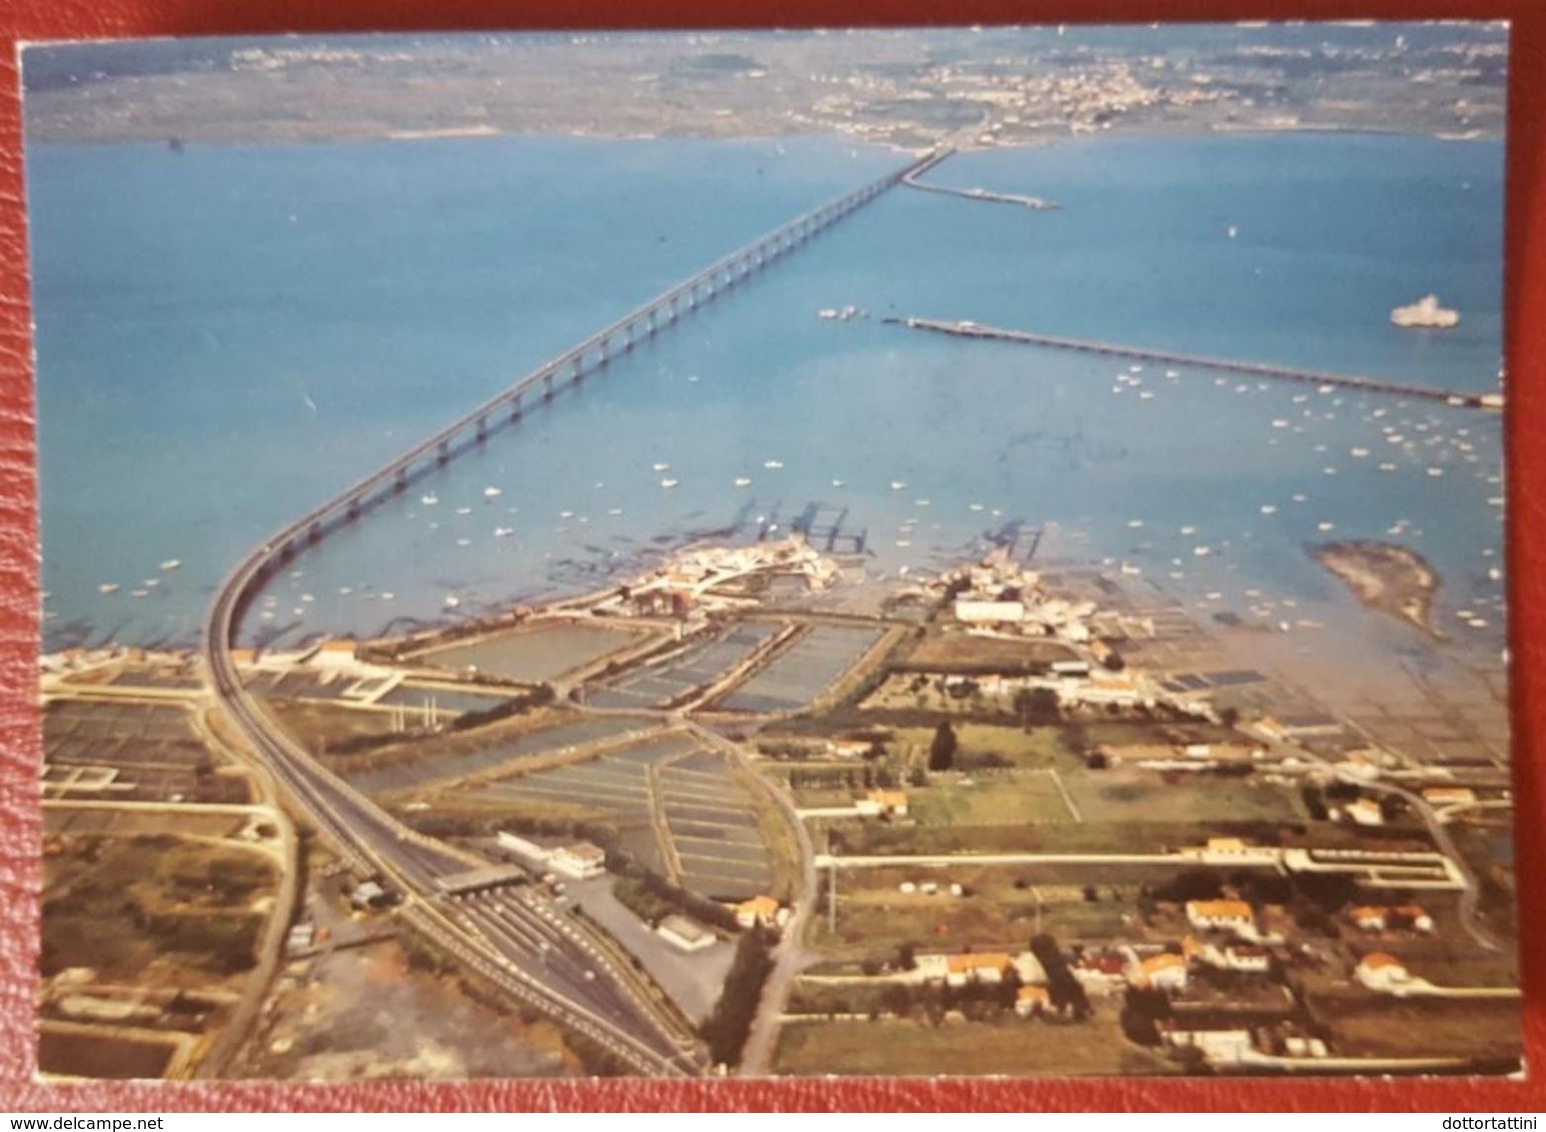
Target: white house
<point>683,933</point>
<point>1381,972</point>
<point>1162,972</point>
<point>1230,914</point>
<point>580,860</point>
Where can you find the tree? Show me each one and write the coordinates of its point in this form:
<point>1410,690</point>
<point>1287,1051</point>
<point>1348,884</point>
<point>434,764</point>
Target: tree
<point>1113,661</point>
<point>726,1029</point>
<point>1065,992</point>
<point>1037,705</point>
<point>942,752</point>
<point>906,957</point>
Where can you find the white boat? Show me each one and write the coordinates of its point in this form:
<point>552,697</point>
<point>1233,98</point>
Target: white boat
<point>1129,569</point>
<point>503,532</point>
<point>898,485</point>
<point>464,510</point>
<point>742,481</point>
<point>1325,526</point>
<point>974,506</point>
<point>1298,497</point>
<point>773,464</point>
<point>430,499</point>
<point>108,588</point>
<point>388,595</point>
<point>1233,231</point>
<point>668,483</point>
<point>171,564</point>
<point>1171,373</point>
<point>1202,551</point>
<point>151,583</point>
<point>1135,523</point>
<point>139,593</point>
<point>464,542</point>
<point>1146,396</point>
<point>492,493</point>
<point>826,312</point>
<point>452,601</point>
<point>1435,471</point>
<point>1359,453</point>
<point>920,503</point>
<point>837,483</point>
<point>660,466</point>
<point>1268,509</point>
<point>1189,530</point>
<point>566,514</point>
<point>308,598</point>
<point>345,590</point>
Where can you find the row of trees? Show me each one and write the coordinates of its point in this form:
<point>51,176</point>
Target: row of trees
<point>726,1029</point>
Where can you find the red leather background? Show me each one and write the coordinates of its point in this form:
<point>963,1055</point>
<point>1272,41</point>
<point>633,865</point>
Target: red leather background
<point>19,748</point>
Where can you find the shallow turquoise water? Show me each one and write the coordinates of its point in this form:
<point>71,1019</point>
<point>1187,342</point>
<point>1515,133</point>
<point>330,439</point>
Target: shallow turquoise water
<point>226,336</point>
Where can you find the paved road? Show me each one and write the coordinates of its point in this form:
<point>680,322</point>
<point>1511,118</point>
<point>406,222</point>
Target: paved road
<point>789,957</point>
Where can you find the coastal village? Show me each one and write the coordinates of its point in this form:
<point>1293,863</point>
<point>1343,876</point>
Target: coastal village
<point>1039,799</point>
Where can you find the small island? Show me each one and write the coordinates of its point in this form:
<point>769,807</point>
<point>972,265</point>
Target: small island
<point>1387,578</point>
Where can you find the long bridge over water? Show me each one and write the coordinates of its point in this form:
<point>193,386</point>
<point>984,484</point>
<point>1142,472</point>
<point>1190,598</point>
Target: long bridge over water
<point>967,329</point>
<point>517,948</point>
<point>575,364</point>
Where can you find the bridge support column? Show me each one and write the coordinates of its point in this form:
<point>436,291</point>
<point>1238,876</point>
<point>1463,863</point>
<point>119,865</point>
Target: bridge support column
<point>515,407</point>
<point>605,357</point>
<point>547,382</point>
<point>443,452</point>
<point>353,510</point>
<point>400,481</point>
<point>482,429</point>
<point>314,534</point>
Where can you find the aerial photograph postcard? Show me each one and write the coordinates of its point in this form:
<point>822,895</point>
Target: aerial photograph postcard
<point>902,552</point>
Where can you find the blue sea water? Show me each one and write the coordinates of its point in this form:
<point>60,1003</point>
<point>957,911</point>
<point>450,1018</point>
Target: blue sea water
<point>226,336</point>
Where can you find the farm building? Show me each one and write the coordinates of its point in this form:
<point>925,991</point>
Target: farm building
<point>1205,914</point>
<point>580,860</point>
<point>683,933</point>
<point>759,911</point>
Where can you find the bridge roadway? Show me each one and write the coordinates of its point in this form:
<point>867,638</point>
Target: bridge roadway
<point>912,182</point>
<point>518,942</point>
<point>967,329</point>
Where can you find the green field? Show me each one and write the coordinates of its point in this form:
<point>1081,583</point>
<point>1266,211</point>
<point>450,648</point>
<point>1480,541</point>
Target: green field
<point>1015,1047</point>
<point>999,799</point>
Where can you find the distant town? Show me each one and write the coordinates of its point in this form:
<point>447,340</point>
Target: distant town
<point>906,88</point>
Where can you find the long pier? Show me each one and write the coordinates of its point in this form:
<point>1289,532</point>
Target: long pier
<point>912,182</point>
<point>966,329</point>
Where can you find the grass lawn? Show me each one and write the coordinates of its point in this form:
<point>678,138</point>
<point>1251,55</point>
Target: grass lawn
<point>319,726</point>
<point>964,652</point>
<point>874,917</point>
<point>1028,750</point>
<point>1015,1047</point>
<point>1122,794</point>
<point>997,799</point>
<point>1367,1026</point>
